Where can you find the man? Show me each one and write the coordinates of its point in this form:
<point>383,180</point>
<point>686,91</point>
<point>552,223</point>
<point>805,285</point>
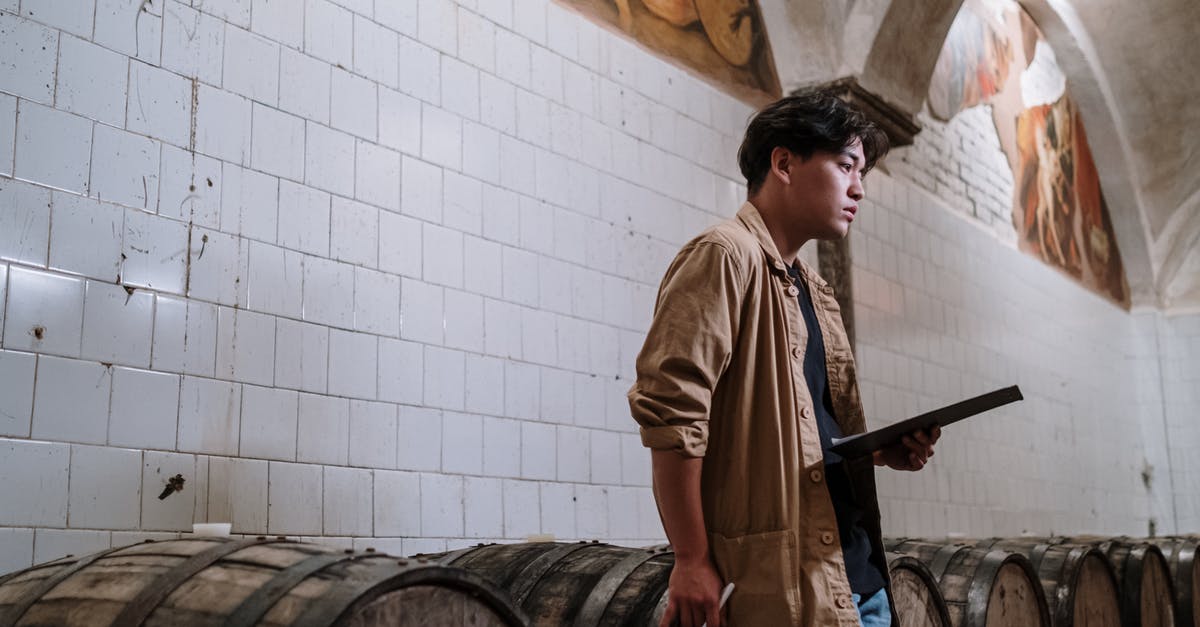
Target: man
<point>746,376</point>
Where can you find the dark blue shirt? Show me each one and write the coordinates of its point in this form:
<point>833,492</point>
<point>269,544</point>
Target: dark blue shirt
<point>865,578</point>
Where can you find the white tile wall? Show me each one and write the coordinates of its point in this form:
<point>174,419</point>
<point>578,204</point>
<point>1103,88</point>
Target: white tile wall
<point>104,491</point>
<point>427,236</point>
<point>35,487</point>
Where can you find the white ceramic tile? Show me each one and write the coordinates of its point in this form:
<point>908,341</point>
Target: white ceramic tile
<point>441,505</point>
<point>347,501</point>
<point>124,168</point>
<point>441,137</point>
<point>484,385</point>
<point>209,416</point>
<point>223,125</point>
<point>250,203</point>
<point>372,434</point>
<point>144,409</point>
<point>376,302</point>
<point>237,493</point>
<point>377,176</point>
<point>16,549</point>
<point>268,426</point>
<point>445,375</point>
<point>353,105</point>
<point>323,434</point>
<point>185,336</point>
<point>277,143</point>
<point>34,490</point>
<point>24,222</point>
<point>399,121</point>
<point>376,51</point>
<point>218,267</point>
<point>354,232</point>
<point>537,440</point>
<point>499,109</point>
<point>537,226</point>
<point>29,51</point>
<point>352,364</point>
<point>105,487</point>
<point>635,461</point>
<point>329,292</point>
<point>437,24</point>
<point>520,282</point>
<point>462,443</point>
<point>8,132</point>
<point>419,73</point>
<point>251,66</point>
<point>117,325</point>
<point>305,223</point>
<point>301,355</point>
<point>278,21</point>
<point>476,40</point>
<point>193,43</point>
<point>591,511</point>
<point>533,116</point>
<point>52,147</point>
<point>512,58</point>
<point>328,32</point>
<point>589,397</point>
<point>91,81</point>
<point>558,509</point>
<point>421,189</point>
<point>154,250</point>
<point>16,392</point>
<point>481,159</point>
<point>400,247</point>
<point>501,328</point>
<point>177,509</point>
<point>464,320</point>
<point>538,336</point>
<point>554,285</point>
<point>421,311</point>
<point>460,88</point>
<point>397,500</point>
<point>329,159</point>
<point>522,509</point>
<point>85,236</point>
<point>245,346</point>
<point>401,371</point>
<point>398,16</point>
<point>304,84</point>
<point>443,259</point>
<point>52,544</point>
<point>123,26</point>
<point>521,390</point>
<point>232,11</point>
<point>159,104</point>
<point>294,499</point>
<point>420,439</point>
<point>557,402</point>
<point>482,260</point>
<point>483,499</point>
<point>189,187</point>
<point>44,313</point>
<point>574,458</point>
<point>275,280</point>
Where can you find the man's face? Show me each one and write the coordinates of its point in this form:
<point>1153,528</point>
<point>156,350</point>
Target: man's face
<point>823,192</point>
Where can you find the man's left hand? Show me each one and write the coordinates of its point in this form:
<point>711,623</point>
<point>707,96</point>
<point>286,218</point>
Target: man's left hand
<point>911,452</point>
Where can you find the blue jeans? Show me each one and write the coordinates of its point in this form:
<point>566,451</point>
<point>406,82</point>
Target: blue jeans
<point>874,611</point>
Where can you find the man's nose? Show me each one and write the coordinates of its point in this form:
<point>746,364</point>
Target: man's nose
<point>856,190</point>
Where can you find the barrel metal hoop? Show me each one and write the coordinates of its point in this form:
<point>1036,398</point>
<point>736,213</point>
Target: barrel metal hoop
<point>255,606</point>
<point>148,600</point>
<point>941,560</point>
<point>453,556</point>
<point>980,590</point>
<point>529,576</point>
<point>602,594</point>
<point>31,596</point>
<point>1035,557</point>
<point>1185,558</point>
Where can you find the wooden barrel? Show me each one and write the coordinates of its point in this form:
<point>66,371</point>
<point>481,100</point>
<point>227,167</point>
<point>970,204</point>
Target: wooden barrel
<point>915,593</point>
<point>1078,580</point>
<point>583,584</point>
<point>1147,595</point>
<point>1180,553</point>
<point>982,587</point>
<point>242,582</point>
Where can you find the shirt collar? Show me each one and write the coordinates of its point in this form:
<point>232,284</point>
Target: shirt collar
<point>749,216</point>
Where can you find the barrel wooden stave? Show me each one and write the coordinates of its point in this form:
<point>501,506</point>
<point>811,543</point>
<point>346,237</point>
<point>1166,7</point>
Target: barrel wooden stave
<point>915,593</point>
<point>1077,581</point>
<point>104,585</point>
<point>1147,594</point>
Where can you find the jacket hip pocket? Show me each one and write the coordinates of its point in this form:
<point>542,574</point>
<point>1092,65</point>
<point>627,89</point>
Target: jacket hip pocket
<point>764,569</point>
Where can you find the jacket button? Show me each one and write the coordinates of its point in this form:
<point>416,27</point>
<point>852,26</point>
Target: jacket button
<point>815,475</point>
<point>826,537</point>
<point>793,291</point>
<point>796,352</point>
<point>843,601</point>
<point>807,412</point>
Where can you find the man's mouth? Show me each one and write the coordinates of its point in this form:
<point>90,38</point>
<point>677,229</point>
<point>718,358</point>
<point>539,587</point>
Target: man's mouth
<point>851,211</point>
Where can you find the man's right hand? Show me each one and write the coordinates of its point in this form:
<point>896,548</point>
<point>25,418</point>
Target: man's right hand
<point>694,594</point>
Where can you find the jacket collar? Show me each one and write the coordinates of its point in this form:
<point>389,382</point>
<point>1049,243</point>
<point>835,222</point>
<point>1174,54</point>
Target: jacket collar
<point>750,218</point>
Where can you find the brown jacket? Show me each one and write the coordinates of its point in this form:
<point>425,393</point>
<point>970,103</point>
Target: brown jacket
<point>721,377</point>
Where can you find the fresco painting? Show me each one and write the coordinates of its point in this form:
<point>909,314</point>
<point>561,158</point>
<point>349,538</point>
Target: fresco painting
<point>1059,211</point>
<point>722,40</point>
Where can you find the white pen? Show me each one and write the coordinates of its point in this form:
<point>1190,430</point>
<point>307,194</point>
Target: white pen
<point>725,592</point>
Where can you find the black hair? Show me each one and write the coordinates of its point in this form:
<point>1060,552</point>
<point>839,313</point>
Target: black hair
<point>806,123</point>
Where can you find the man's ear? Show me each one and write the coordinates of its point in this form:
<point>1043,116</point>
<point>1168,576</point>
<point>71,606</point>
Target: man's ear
<point>781,161</point>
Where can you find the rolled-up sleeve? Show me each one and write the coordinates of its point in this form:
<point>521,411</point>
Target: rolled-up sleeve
<point>687,348</point>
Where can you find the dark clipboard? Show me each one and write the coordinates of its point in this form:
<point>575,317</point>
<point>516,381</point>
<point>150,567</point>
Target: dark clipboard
<point>866,443</point>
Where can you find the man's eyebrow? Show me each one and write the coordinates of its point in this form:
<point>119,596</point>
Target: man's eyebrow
<point>853,156</point>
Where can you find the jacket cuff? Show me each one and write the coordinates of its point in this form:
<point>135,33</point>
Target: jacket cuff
<point>687,440</point>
